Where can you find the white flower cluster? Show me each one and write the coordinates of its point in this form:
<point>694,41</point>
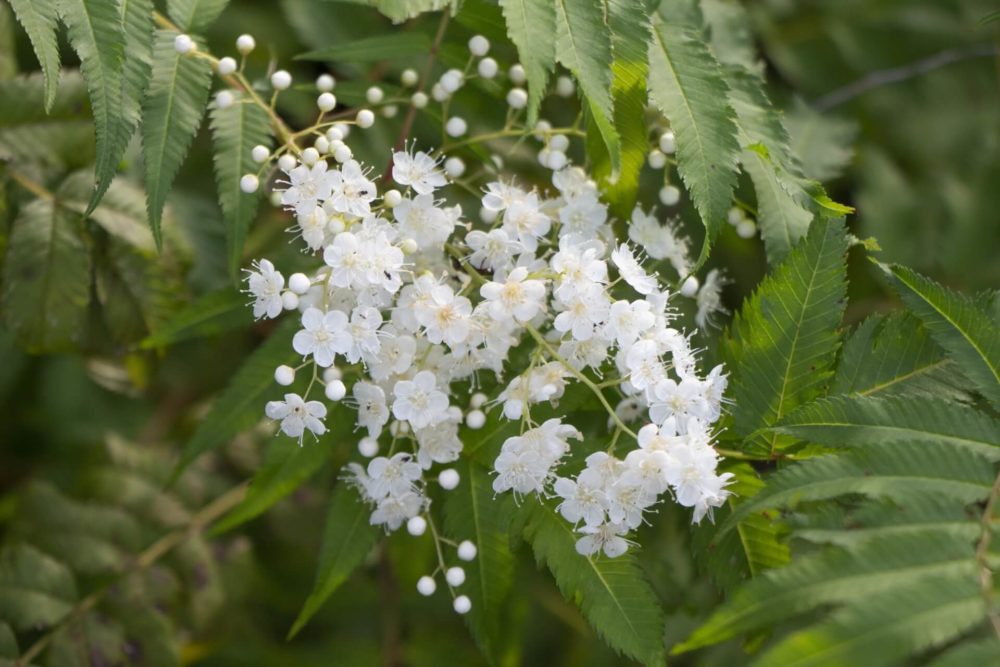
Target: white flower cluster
<point>409,307</point>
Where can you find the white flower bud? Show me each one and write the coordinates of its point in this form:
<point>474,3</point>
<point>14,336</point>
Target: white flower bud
<point>448,479</point>
<point>287,162</point>
<point>487,68</point>
<point>183,44</point>
<point>657,160</point>
<point>467,550</point>
<point>332,373</point>
<point>517,98</point>
<point>374,95</point>
<point>245,44</point>
<point>226,66</point>
<point>260,153</point>
<point>734,216</point>
<point>390,111</point>
<point>487,215</point>
<point>299,283</point>
<point>439,93</point>
<point>668,144</point>
<point>456,126</point>
<point>419,100</point>
<point>409,77</point>
<point>365,119</point>
<point>281,80</point>
<point>326,102</point>
<point>670,195</point>
<point>451,80</point>
<point>335,133</point>
<point>310,156</point>
<point>322,145</point>
<point>543,157</point>
<point>368,447</point>
<point>517,75</point>
<point>325,83</point>
<point>478,400</point>
<point>746,229</point>
<point>289,300</point>
<point>249,183</point>
<point>342,153</point>
<point>426,585</point>
<point>416,526</point>
<point>391,198</point>
<point>475,420</point>
<point>336,225</point>
<point>565,87</point>
<point>557,160</point>
<point>345,129</point>
<point>454,167</point>
<point>462,604</point>
<point>559,142</point>
<point>479,46</point>
<point>275,198</point>
<point>690,287</point>
<point>409,246</point>
<point>224,98</point>
<point>284,375</point>
<point>455,576</point>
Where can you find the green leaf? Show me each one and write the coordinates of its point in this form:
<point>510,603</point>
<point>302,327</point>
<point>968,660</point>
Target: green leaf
<point>236,129</point>
<point>473,512</point>
<point>629,40</point>
<point>286,466</point>
<point>171,114</point>
<point>960,325</point>
<point>39,18</point>
<point>347,539</point>
<point>8,642</point>
<point>97,35</point>
<point>195,15</point>
<point>612,593</point>
<point>531,24</point>
<point>784,340</point>
<point>46,277</point>
<point>37,590</point>
<point>837,576</point>
<point>894,355</point>
<point>241,404</point>
<point>209,315</point>
<point>583,46</point>
<point>401,10</point>
<point>8,70</point>
<point>373,49</point>
<point>686,83</point>
<point>122,211</point>
<point>823,143</point>
<point>856,421</point>
<point>137,22</point>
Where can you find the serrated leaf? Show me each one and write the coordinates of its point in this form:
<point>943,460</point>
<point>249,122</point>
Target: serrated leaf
<point>286,466</point>
<point>857,421</point>
<point>401,10</point>
<point>784,340</point>
<point>37,589</point>
<point>473,512</point>
<point>241,404</point>
<point>837,576</point>
<point>236,129</point>
<point>960,325</point>
<point>894,355</point>
<point>171,114</point>
<point>137,25</point>
<point>612,593</point>
<point>46,277</point>
<point>373,49</point>
<point>347,539</point>
<point>531,24</point>
<point>686,83</point>
<point>195,15</point>
<point>209,315</point>
<point>823,143</point>
<point>122,212</point>
<point>97,35</point>
<point>583,46</point>
<point>39,18</point>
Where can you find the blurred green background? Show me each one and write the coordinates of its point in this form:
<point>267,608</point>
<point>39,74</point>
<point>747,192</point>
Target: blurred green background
<point>919,158</point>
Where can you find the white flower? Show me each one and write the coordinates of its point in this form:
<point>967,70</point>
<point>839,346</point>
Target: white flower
<point>417,170</point>
<point>265,285</point>
<point>421,220</point>
<point>444,316</point>
<point>583,499</point>
<point>525,221</point>
<point>632,272</point>
<point>578,266</point>
<point>372,410</point>
<point>323,335</point>
<point>312,223</point>
<point>517,298</point>
<point>351,191</point>
<point>500,196</point>
<point>572,182</point>
<point>644,365</point>
<point>683,399</point>
<point>419,401</point>
<point>297,416</point>
<point>393,511</point>
<point>308,187</point>
<point>492,250</point>
<point>606,537</point>
<point>348,261</point>
<point>582,216</point>
<point>392,476</point>
<point>582,311</point>
<point>660,242</point>
<point>395,356</point>
<point>627,321</point>
<point>522,470</point>
<point>439,443</point>
<point>363,332</point>
<point>709,299</point>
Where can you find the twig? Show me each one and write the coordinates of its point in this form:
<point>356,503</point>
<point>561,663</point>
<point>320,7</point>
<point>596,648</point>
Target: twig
<point>205,517</point>
<point>897,74</point>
